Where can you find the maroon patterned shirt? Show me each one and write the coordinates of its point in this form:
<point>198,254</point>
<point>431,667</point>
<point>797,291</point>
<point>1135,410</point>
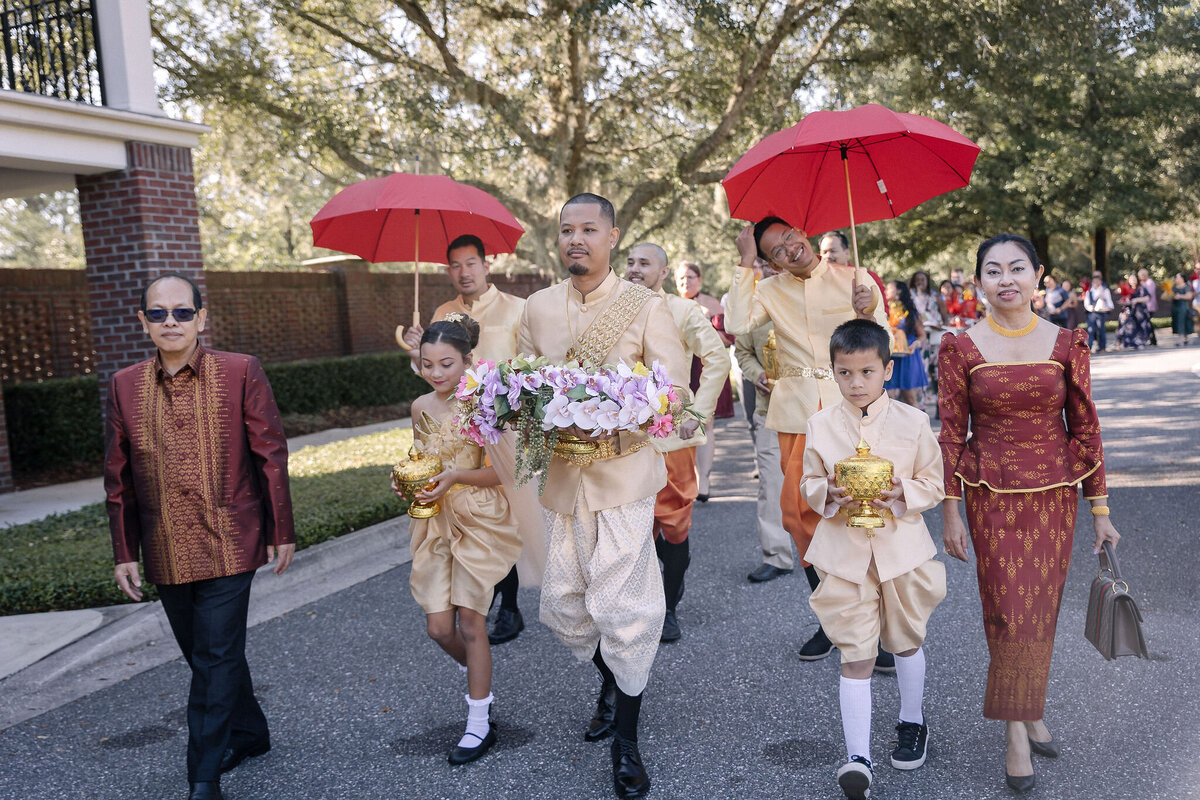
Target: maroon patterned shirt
<point>196,468</point>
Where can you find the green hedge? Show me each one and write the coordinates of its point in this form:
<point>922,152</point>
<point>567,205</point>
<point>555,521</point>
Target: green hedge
<point>57,421</point>
<point>54,422</point>
<point>320,384</point>
<point>65,561</point>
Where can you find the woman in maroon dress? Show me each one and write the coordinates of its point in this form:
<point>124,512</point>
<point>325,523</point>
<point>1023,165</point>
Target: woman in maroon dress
<point>1023,386</point>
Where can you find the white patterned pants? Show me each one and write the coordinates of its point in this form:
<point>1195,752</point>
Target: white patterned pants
<point>602,585</point>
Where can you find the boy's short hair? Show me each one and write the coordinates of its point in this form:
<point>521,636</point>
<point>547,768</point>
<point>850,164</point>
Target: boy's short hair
<point>858,335</point>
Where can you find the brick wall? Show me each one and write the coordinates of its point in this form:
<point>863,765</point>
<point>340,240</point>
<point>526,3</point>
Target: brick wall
<point>137,223</point>
<point>278,316</point>
<point>44,326</point>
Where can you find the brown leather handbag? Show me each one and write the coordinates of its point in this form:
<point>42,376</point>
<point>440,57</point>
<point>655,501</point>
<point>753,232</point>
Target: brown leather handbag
<point>1114,623</point>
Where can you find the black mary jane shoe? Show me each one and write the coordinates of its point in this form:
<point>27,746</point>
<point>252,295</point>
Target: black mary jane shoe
<point>1044,749</point>
<point>465,755</point>
<point>236,755</point>
<point>630,778</point>
<point>205,790</point>
<point>603,722</point>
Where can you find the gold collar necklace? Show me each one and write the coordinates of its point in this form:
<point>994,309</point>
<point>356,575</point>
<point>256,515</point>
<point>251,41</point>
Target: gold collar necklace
<point>1010,332</point>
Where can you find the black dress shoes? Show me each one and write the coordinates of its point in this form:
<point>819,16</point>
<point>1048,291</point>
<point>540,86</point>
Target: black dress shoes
<point>236,755</point>
<point>507,625</point>
<point>816,647</point>
<point>767,572</point>
<point>602,724</point>
<point>670,631</point>
<point>885,661</point>
<point>205,790</point>
<point>629,776</point>
<point>465,755</point>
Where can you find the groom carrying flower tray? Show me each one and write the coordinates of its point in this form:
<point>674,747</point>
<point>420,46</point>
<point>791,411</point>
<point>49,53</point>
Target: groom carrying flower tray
<point>602,594</point>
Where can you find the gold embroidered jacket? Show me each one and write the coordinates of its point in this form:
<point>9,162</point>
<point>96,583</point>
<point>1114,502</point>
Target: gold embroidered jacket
<point>196,468</point>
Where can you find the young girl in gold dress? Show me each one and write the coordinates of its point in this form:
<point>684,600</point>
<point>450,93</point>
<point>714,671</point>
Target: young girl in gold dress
<point>460,554</point>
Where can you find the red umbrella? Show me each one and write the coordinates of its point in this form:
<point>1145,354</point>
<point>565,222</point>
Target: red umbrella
<point>405,217</point>
<point>834,168</point>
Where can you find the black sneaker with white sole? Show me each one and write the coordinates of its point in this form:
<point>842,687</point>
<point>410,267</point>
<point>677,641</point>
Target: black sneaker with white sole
<point>911,739</point>
<point>855,778</point>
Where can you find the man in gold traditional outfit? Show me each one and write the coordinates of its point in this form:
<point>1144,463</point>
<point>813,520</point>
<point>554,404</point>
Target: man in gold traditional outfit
<point>499,315</point>
<point>602,594</point>
<point>806,301</point>
<point>647,265</point>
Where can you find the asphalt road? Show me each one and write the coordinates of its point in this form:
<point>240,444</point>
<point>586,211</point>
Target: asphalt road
<point>362,704</point>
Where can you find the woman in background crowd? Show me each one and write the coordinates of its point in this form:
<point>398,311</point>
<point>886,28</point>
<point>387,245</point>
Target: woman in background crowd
<point>689,281</point>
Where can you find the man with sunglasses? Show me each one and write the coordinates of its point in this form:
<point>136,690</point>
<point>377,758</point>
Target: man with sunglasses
<point>196,482</point>
<point>807,299</point>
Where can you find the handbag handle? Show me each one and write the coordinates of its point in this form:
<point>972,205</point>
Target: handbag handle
<point>1109,564</point>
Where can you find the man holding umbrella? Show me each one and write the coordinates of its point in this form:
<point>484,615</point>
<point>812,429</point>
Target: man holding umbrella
<point>499,315</point>
<point>806,301</point>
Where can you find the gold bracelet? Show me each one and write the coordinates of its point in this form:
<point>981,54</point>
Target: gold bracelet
<point>1100,511</point>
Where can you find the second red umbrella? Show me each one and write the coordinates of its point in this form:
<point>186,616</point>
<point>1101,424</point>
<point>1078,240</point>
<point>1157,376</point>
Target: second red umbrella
<point>403,217</point>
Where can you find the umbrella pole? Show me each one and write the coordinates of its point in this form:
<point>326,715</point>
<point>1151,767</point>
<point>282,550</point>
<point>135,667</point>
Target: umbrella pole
<point>858,270</point>
<point>860,274</point>
<point>417,269</point>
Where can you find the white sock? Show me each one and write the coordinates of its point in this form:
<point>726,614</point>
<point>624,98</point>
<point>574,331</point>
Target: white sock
<point>910,674</point>
<point>855,696</point>
<point>478,712</point>
<point>462,668</point>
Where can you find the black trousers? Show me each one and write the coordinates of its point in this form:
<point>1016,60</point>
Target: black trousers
<point>208,619</point>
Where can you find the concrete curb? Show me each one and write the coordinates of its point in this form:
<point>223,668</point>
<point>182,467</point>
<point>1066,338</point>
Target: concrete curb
<point>142,639</point>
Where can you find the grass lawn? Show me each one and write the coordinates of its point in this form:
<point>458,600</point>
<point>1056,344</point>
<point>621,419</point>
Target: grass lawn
<point>65,561</point>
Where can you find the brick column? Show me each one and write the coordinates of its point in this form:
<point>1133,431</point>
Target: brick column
<point>137,224</point>
<point>6,483</point>
<point>357,306</point>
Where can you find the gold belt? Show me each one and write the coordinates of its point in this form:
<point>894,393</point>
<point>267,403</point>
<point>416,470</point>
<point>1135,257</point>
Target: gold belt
<point>817,373</point>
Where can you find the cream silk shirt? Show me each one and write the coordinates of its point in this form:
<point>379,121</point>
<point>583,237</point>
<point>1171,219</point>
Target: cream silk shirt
<point>748,349</point>
<point>805,312</point>
<point>498,315</point>
<point>699,339</point>
<point>552,322</point>
<point>899,433</point>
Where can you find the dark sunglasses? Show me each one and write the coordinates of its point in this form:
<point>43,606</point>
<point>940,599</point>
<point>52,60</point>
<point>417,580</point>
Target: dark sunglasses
<point>160,314</point>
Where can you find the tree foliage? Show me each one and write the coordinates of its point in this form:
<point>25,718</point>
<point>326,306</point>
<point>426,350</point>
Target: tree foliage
<point>1086,110</point>
<point>648,103</point>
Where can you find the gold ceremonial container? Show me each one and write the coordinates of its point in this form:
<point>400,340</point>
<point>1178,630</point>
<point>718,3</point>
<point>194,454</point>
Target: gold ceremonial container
<point>575,449</point>
<point>412,475</point>
<point>770,359</point>
<point>900,342</point>
<point>866,477</point>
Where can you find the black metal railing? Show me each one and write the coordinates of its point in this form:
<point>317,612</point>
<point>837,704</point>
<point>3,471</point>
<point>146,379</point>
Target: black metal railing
<point>50,47</point>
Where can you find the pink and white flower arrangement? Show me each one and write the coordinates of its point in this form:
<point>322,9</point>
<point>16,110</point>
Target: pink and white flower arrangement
<point>540,398</point>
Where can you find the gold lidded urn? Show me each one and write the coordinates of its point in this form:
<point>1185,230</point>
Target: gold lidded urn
<point>770,357</point>
<point>412,475</point>
<point>866,478</point>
